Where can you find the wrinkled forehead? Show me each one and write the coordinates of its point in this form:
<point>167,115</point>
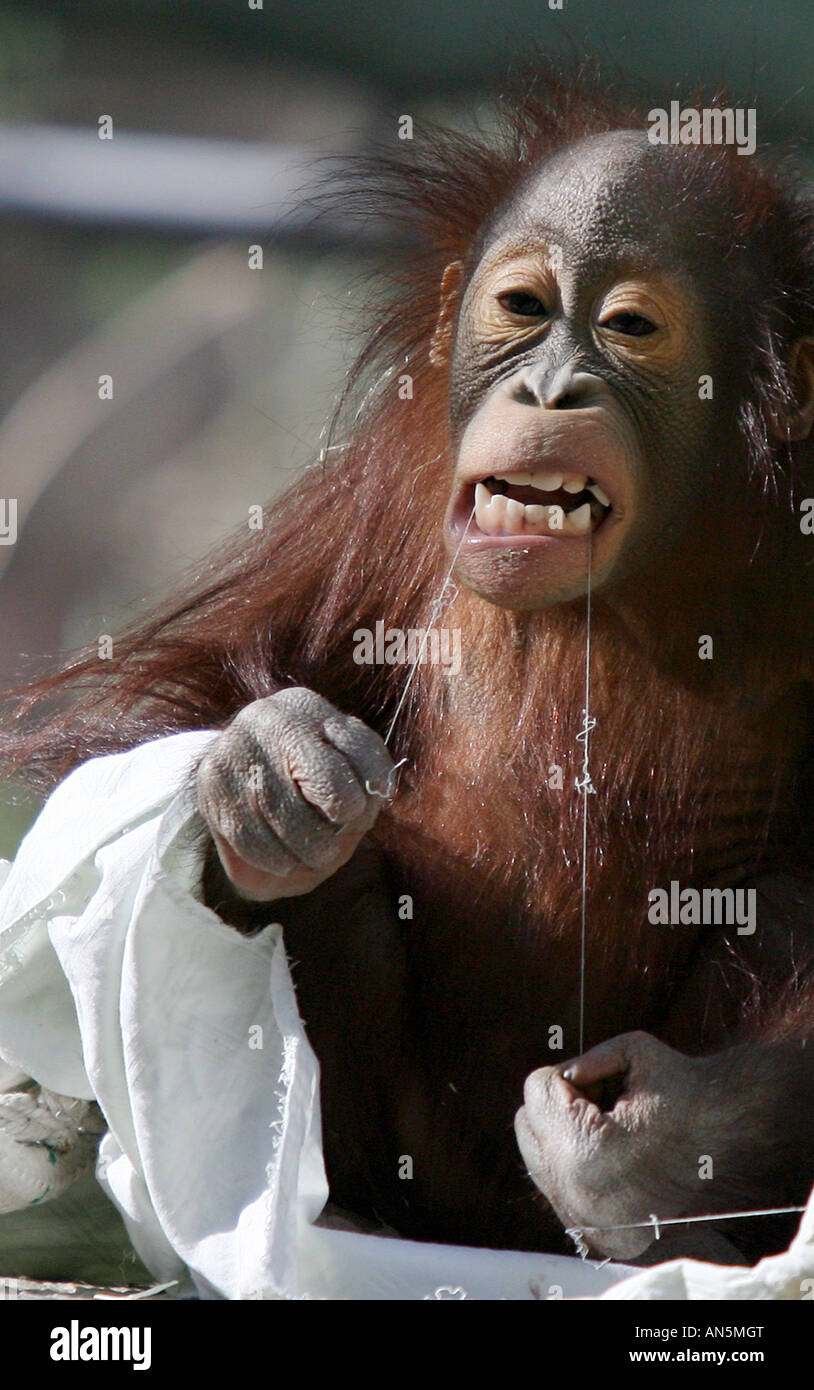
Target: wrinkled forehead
<point>610,199</point>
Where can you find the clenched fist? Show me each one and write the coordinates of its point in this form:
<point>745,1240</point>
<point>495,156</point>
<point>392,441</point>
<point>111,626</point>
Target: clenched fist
<point>285,793</point>
<point>603,1169</point>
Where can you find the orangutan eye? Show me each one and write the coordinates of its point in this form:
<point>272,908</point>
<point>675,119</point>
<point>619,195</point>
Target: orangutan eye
<point>524,304</point>
<point>632,325</point>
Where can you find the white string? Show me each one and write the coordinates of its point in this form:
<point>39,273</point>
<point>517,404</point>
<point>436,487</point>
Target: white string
<point>586,787</point>
<point>577,1233</point>
<point>436,608</point>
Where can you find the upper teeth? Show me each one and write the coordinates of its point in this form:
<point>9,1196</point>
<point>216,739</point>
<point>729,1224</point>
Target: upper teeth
<point>546,482</point>
<point>549,482</point>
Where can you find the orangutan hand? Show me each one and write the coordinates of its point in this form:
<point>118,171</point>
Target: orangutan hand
<point>286,792</point>
<point>619,1134</point>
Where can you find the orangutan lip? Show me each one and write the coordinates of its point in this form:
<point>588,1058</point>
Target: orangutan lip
<point>555,505</point>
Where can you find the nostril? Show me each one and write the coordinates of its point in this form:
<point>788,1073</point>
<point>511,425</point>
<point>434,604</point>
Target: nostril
<point>524,395</point>
<point>570,389</point>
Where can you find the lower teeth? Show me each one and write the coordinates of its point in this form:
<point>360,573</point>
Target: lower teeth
<point>498,515</point>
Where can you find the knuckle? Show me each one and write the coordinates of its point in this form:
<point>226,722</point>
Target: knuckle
<point>363,731</point>
<point>263,714</point>
<point>298,700</point>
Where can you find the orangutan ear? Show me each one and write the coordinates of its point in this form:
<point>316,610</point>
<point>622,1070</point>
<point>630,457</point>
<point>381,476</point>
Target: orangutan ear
<point>442,339</point>
<point>793,420</point>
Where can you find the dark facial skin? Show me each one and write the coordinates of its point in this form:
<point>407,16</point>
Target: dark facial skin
<point>581,336</point>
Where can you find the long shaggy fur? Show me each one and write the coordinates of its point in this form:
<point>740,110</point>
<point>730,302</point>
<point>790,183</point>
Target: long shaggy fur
<point>691,783</point>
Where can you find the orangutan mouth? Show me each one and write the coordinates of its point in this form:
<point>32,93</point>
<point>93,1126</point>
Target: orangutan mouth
<point>540,504</point>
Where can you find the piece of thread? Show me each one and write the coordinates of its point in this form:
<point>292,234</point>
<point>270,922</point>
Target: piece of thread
<point>656,1223</point>
<point>435,610</point>
<point>447,592</point>
<point>586,787</point>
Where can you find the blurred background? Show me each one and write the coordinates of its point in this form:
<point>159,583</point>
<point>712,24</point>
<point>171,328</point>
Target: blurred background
<point>130,257</point>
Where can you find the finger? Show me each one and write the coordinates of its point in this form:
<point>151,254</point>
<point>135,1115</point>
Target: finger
<point>279,798</point>
<point>302,710</point>
<point>363,748</point>
<point>319,774</point>
<point>237,824</point>
<point>606,1059</point>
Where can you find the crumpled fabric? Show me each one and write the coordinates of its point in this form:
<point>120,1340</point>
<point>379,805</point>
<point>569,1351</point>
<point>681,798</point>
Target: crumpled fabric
<point>117,984</point>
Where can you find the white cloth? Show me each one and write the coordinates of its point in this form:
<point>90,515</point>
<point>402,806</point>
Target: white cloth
<point>118,984</point>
